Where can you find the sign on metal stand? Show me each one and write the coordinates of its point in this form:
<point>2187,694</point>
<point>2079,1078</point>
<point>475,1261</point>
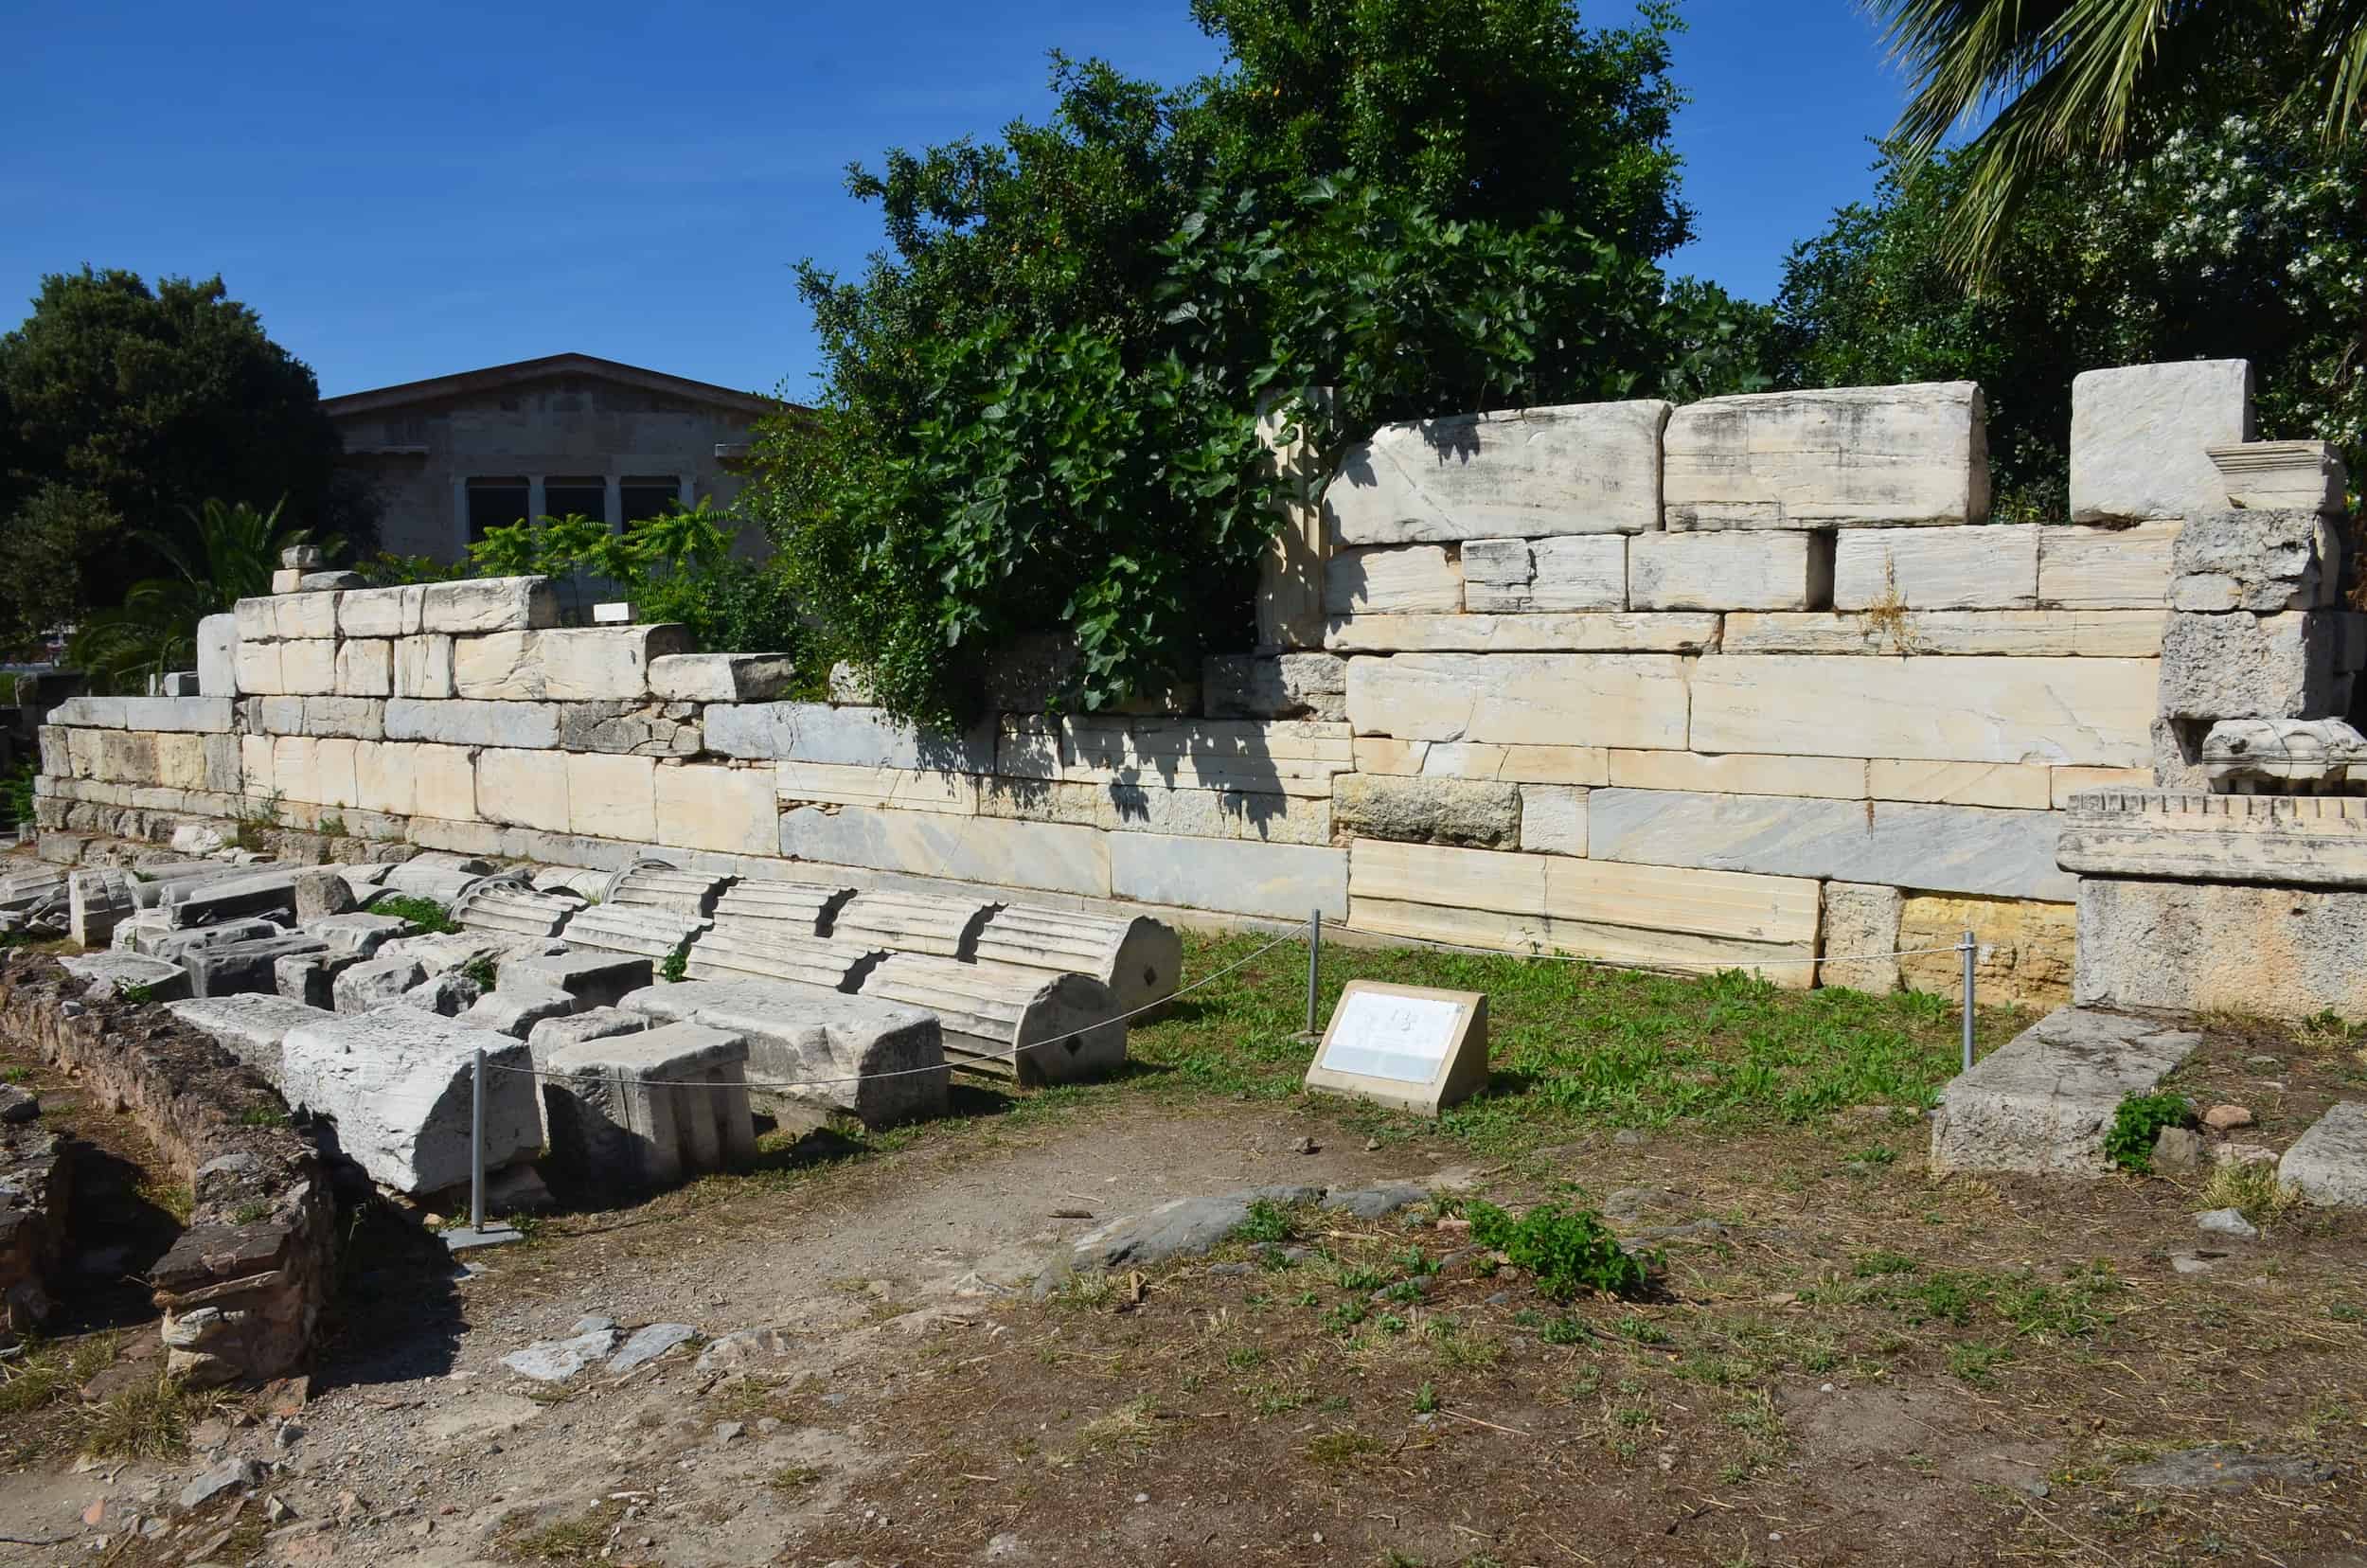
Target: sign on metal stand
<point>475,1233</point>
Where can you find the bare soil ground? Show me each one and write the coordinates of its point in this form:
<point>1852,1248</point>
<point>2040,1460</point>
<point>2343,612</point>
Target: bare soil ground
<point>1841,1360</point>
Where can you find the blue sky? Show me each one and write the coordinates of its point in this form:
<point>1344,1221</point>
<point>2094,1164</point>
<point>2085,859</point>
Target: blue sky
<point>412,191</point>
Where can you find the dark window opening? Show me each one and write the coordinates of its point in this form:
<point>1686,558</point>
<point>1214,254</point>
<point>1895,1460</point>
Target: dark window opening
<point>649,497</point>
<point>495,504</point>
<point>565,498</point>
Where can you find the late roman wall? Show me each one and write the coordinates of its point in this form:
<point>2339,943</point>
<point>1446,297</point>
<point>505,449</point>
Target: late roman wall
<point>1751,683</point>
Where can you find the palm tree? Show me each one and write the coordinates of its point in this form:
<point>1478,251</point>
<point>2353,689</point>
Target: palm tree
<point>155,631</point>
<point>2095,78</point>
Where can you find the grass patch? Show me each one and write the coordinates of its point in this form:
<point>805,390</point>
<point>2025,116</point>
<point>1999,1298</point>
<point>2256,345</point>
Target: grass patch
<point>1268,1221</point>
<point>426,914</point>
<point>173,1199</point>
<point>2253,1190</point>
<point>47,1372</point>
<point>263,1115</point>
<point>150,1421</point>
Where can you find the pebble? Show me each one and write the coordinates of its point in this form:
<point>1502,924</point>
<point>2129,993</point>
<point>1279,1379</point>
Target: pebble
<point>2227,1221</point>
<point>1141,1497</point>
<point>2226,1119</point>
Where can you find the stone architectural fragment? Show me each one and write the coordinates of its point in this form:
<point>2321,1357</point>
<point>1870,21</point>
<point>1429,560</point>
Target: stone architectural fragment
<point>252,1027</point>
<point>1553,819</point>
<point>2273,476</point>
<point>1731,570</point>
<point>598,978</point>
<point>397,1085</point>
<point>2327,1165</point>
<point>1027,1024</point>
<point>1860,937</point>
<point>880,1060</point>
<point>1279,881</point>
<point>721,677</point>
<point>216,656</point>
<point>1287,685</point>
<point>653,933</point>
<point>801,908</point>
<point>2282,755</point>
<point>2277,952</point>
<point>1587,468</point>
<point>1579,632</point>
<point>2142,436</point>
<point>1140,960</point>
<point>766,949</point>
<point>1845,456</point>
<point>645,1109</point>
<point>2041,1104</point>
<point>913,923</point>
<point>2260,561</point>
<point>97,900</point>
<point>478,605</point>
<point>531,726</point>
<point>2240,666</point>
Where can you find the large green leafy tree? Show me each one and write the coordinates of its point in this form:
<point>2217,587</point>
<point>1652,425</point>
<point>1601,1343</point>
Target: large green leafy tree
<point>123,408</point>
<point>2234,236</point>
<point>1039,406</point>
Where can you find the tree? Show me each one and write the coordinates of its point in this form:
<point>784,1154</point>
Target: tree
<point>2236,238</point>
<point>143,404</point>
<point>237,548</point>
<point>2106,80</point>
<point>1039,406</point>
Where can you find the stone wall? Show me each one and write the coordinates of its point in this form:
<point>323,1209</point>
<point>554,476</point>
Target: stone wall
<point>1753,682</point>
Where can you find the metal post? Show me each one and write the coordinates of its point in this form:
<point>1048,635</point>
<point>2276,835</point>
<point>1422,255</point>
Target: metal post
<point>1965,947</point>
<point>1314,964</point>
<point>476,1142</point>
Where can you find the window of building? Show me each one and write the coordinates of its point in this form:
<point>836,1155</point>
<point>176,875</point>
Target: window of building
<point>564,497</point>
<point>650,495</point>
<point>496,503</point>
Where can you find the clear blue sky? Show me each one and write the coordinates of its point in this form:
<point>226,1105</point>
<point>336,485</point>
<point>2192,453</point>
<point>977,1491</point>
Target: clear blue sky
<point>410,192</point>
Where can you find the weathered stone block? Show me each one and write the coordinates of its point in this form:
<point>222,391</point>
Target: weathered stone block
<point>218,657</point>
<point>2142,434</point>
<point>2042,1102</point>
<point>308,669</point>
<point>817,732</point>
<point>365,668</point>
<point>1971,710</point>
<point>831,783</point>
<point>2018,633</point>
<point>721,677</point>
<point>477,605</point>
<point>1282,881</point>
<point>112,973</point>
<point>527,789</point>
<point>2277,952</point>
<point>252,1027</point>
<point>1833,778</point>
<point>422,668</point>
<point>1288,686</point>
<point>1427,811</point>
<point>1731,570</point>
<point>444,782</point>
<point>1140,960</point>
<point>647,1108</point>
<point>523,725</point>
<point>2016,786</point>
<point>397,1085</point>
<point>2272,476</point>
<point>1576,632</point>
<point>607,663</point>
<point>229,969</point>
<point>1992,566</point>
<point>2023,947</point>
<point>2252,667</point>
<point>858,1053</point>
<point>1055,857</point>
<point>2108,567</point>
<point>1600,698</point>
<point>1860,937</point>
<point>1519,576</point>
<point>1390,580</point>
<point>1553,819</point>
<point>1948,848</point>
<point>1587,468</point>
<point>1845,456</point>
<point>2327,1165</point>
<point>610,797</point>
<point>97,900</point>
<point>731,809</point>
<point>2262,561</point>
<point>594,979</point>
<point>381,611</point>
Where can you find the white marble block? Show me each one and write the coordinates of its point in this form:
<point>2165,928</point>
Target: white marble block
<point>1839,457</point>
<point>1992,566</point>
<point>1387,582</point>
<point>2142,434</point>
<point>1752,569</point>
<point>1529,473</point>
<point>1519,576</point>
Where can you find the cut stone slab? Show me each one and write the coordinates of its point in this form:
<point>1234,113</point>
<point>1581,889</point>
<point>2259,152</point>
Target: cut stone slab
<point>323,893</point>
<point>2327,1165</point>
<point>721,677</point>
<point>647,1344</point>
<point>1428,810</point>
<point>234,969</point>
<point>254,1028</point>
<point>446,995</point>
<point>112,973</point>
<point>2242,666</point>
<point>1182,1227</point>
<point>398,1084</point>
<point>1983,567</point>
<point>1286,685</point>
<point>515,1009</point>
<point>2277,952</point>
<point>267,892</point>
<point>2142,434</point>
<point>374,983</point>
<point>1601,699</point>
<point>158,941</point>
<point>476,605</point>
<point>644,929</point>
<point>311,977</point>
<point>1841,457</point>
<point>1860,918</point>
<point>1527,577</point>
<point>358,936</point>
<point>1765,570</point>
<point>2042,1102</point>
<point>98,899</point>
<point>1026,1024</point>
<point>647,1108</point>
<point>1391,580</point>
<point>552,1034</point>
<point>1527,474</point>
<point>1140,960</point>
<point>556,1361</point>
<point>2268,475</point>
<point>882,1061</point>
<point>594,979</point>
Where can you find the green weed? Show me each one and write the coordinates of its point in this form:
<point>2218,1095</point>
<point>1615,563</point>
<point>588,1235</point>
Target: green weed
<point>2129,1142</point>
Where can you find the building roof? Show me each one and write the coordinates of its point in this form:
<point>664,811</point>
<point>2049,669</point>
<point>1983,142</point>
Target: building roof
<point>494,376</point>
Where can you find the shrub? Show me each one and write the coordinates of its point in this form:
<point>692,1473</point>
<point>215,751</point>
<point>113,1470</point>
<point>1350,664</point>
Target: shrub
<point>424,913</point>
<point>2129,1142</point>
<point>1565,1253</point>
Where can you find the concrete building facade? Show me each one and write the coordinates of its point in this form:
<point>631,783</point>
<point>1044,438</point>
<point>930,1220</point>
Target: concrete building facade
<point>453,455</point>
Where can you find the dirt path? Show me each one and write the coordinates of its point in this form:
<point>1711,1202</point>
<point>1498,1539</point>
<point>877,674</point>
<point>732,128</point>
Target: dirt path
<point>419,1448</point>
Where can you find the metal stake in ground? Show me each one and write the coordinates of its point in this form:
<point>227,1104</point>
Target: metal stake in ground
<point>1314,966</point>
<point>475,1234</point>
<point>1965,947</point>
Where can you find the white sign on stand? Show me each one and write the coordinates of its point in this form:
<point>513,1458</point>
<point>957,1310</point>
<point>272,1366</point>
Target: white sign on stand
<point>1404,1046</point>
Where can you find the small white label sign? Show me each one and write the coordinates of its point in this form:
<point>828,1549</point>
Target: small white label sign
<point>1402,1039</point>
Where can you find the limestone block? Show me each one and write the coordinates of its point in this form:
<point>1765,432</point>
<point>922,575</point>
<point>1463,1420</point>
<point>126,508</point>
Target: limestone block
<point>251,1026</point>
<point>721,677</point>
<point>321,893</point>
<point>2276,952</point>
<point>365,668</point>
<point>1832,777</point>
<point>2272,476</point>
<point>475,605</point>
<point>256,665</point>
<point>817,732</point>
<point>527,789</point>
<point>2042,1102</point>
<point>608,663</point>
<point>1140,960</point>
<point>1288,686</point>
<point>359,934</point>
<point>632,729</point>
<point>97,900</point>
<point>1023,1024</point>
<point>1845,456</point>
<point>554,1034</point>
<point>1582,632</point>
<point>1390,580</point>
<point>1860,937</point>
<point>398,1084</point>
<point>112,973</point>
<point>2107,568</point>
<point>444,782</point>
<point>1731,570</point>
<point>2023,947</point>
<point>1947,848</point>
<point>900,788</point>
<point>1283,756</point>
<point>1428,810</point>
<point>1055,857</point>
<point>218,657</point>
<point>308,668</point>
<point>180,761</point>
<point>732,809</point>
<point>806,1042</point>
<point>1600,698</point>
<point>381,611</point>
<point>2017,786</point>
<point>523,725</point>
<point>516,1010</point>
<point>1513,764</point>
<point>609,796</point>
<point>1553,819</point>
<point>1572,572</point>
<point>319,582</point>
<point>1530,473</point>
<point>645,1109</point>
<point>340,717</point>
<point>595,979</point>
<point>422,668</point>
<point>2327,1165</point>
<point>229,969</point>
<point>2252,667</point>
<point>2142,436</point>
<point>1246,877</point>
<point>1992,566</point>
<point>2089,712</point>
<point>2258,560</point>
<point>2026,634</point>
<point>499,667</point>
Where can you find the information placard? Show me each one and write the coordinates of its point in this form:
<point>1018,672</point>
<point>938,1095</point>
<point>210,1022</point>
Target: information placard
<point>1403,1046</point>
